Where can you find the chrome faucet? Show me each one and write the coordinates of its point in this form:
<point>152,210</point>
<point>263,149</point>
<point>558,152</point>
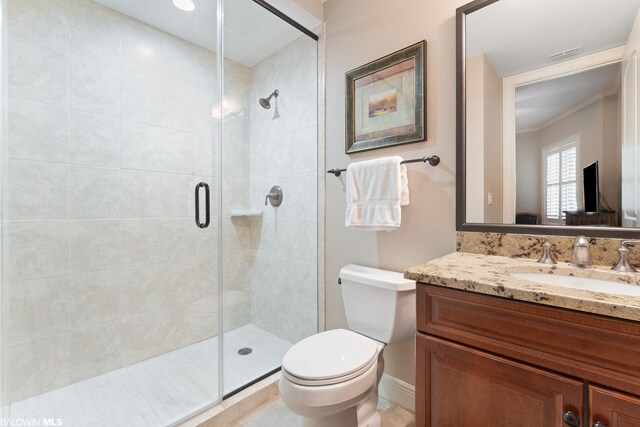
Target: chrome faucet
<point>547,256</point>
<point>623,262</point>
<point>582,253</point>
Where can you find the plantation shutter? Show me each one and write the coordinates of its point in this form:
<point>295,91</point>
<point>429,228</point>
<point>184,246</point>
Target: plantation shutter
<point>561,190</point>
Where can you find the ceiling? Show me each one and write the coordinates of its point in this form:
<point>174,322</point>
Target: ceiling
<point>519,35</point>
<point>251,33</point>
<point>539,103</point>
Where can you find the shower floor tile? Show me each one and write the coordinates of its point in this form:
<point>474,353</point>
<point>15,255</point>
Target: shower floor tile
<point>162,390</point>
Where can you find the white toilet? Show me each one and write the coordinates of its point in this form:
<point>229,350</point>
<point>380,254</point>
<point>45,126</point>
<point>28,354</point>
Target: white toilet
<point>331,378</point>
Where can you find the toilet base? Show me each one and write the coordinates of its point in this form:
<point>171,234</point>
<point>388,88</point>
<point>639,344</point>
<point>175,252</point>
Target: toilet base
<point>350,417</point>
<point>364,414</point>
<point>347,418</point>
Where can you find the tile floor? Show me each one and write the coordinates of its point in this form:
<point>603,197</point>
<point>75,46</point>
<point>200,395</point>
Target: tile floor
<point>159,391</point>
<point>276,414</point>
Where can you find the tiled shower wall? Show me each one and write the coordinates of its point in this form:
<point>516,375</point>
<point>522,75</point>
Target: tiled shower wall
<point>109,130</point>
<point>284,152</point>
<point>237,231</point>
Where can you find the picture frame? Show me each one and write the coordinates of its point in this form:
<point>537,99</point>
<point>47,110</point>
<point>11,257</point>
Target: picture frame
<point>385,101</point>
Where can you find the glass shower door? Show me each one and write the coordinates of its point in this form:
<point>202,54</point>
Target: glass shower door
<point>110,287</point>
<point>269,191</point>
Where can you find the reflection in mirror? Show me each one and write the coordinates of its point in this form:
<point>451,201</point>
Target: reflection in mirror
<point>562,125</point>
<point>550,89</point>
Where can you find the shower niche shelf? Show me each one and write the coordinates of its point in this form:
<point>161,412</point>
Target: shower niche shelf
<point>245,213</point>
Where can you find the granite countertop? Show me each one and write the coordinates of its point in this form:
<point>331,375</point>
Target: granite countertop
<point>489,274</point>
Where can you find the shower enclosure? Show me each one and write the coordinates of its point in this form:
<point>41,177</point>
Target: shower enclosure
<point>147,270</point>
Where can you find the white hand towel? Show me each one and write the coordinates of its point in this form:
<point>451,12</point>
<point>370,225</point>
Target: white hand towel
<point>404,186</point>
<point>375,191</point>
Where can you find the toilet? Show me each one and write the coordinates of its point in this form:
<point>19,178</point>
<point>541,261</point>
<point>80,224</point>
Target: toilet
<point>331,378</point>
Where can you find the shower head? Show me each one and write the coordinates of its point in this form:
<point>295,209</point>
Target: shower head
<point>265,102</point>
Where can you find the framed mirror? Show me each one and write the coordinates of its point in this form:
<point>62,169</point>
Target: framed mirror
<point>547,117</point>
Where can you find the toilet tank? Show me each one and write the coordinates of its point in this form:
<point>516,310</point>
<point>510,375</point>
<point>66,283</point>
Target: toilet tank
<point>380,304</point>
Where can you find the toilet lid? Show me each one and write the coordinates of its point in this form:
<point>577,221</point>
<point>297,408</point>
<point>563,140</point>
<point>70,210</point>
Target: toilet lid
<point>329,354</point>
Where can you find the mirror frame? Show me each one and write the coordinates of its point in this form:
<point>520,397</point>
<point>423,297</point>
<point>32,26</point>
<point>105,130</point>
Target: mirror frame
<point>461,144</point>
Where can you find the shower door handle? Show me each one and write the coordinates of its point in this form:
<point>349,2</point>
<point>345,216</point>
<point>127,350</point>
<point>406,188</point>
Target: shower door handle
<point>207,211</point>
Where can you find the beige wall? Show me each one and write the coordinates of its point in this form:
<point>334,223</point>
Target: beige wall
<point>492,143</point>
<point>611,151</point>
<point>528,170</point>
<point>359,31</point>
<point>313,7</point>
<point>484,141</point>
<point>475,139</point>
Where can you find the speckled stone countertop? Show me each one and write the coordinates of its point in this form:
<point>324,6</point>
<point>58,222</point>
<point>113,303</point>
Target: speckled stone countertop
<point>489,274</point>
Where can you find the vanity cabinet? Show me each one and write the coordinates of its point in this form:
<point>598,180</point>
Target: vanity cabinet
<point>467,387</point>
<point>490,361</point>
<point>612,408</point>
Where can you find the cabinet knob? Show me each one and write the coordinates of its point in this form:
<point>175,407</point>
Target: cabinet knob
<point>599,424</point>
<point>572,419</point>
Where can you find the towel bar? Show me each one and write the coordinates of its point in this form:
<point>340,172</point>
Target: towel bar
<point>433,161</point>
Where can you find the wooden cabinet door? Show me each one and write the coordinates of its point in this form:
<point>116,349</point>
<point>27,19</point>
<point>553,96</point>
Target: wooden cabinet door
<point>463,387</point>
<point>613,409</point>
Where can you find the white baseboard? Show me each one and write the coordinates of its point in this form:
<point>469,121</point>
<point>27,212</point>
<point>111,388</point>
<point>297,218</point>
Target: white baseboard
<point>398,392</point>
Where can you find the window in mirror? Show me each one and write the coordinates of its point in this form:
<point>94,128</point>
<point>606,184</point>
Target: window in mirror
<point>561,189</point>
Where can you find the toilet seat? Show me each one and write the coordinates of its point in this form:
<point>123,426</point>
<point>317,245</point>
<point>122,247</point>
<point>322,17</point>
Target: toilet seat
<point>327,381</point>
<point>329,357</point>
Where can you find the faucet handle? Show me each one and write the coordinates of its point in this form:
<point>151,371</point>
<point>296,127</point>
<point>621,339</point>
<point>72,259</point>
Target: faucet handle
<point>623,262</point>
<point>547,257</point>
<point>583,241</point>
<point>540,237</point>
<point>631,242</point>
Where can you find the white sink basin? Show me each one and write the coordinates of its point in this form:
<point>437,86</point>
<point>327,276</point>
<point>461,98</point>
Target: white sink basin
<point>581,283</point>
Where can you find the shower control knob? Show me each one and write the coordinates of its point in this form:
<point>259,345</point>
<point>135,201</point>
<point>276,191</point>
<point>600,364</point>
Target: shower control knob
<point>274,197</point>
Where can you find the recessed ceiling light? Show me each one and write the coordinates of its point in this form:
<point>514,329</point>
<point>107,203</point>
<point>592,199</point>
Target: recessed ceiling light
<point>186,5</point>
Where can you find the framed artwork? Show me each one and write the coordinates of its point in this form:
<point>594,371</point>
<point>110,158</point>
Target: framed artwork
<point>386,101</point>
